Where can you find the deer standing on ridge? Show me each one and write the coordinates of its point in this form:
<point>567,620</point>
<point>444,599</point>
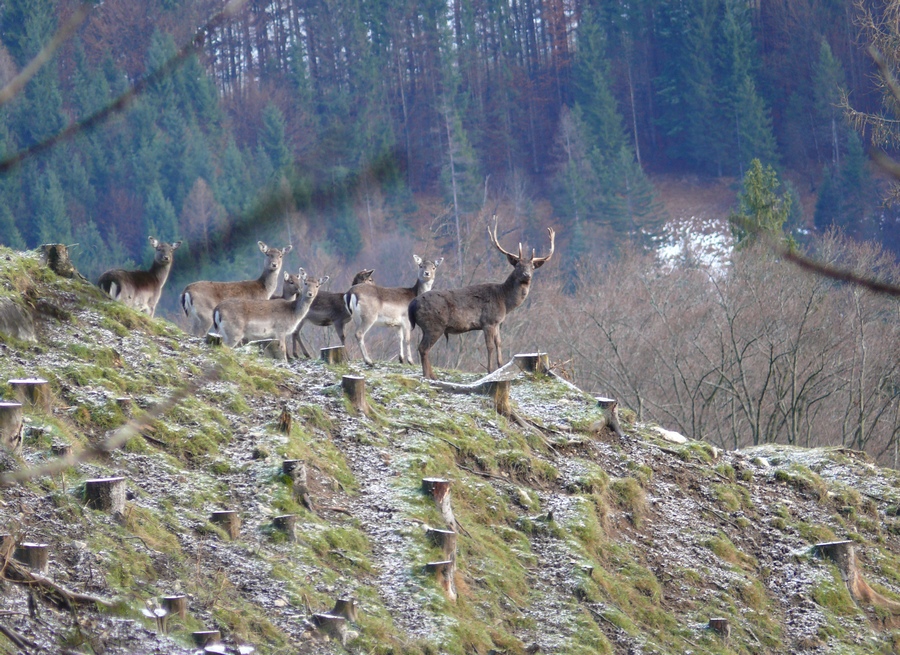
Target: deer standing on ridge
<point>476,307</point>
<point>328,309</point>
<point>141,290</point>
<point>370,304</point>
<point>240,319</point>
<point>199,299</point>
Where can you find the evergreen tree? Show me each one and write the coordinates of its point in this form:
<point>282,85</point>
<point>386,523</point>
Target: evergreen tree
<point>760,210</point>
<point>51,217</point>
<point>160,219</point>
<point>9,233</point>
<point>828,80</point>
<point>90,257</point>
<point>272,139</point>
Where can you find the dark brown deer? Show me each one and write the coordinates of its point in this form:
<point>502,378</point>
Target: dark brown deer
<point>329,309</point>
<point>140,290</point>
<point>199,299</point>
<point>478,307</point>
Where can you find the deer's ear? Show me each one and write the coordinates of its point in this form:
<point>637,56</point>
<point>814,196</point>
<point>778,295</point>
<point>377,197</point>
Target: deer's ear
<point>176,245</point>
<point>418,260</point>
<point>539,263</point>
<point>323,280</point>
<point>438,262</point>
<point>153,241</point>
<point>263,247</point>
<point>287,276</point>
<point>287,249</point>
<point>512,259</point>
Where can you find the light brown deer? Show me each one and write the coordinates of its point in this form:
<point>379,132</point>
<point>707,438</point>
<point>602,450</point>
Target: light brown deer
<point>199,299</point>
<point>370,305</point>
<point>238,319</point>
<point>141,290</point>
<point>328,309</point>
<point>476,307</point>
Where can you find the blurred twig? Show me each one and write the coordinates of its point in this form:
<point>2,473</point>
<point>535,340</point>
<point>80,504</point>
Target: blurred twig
<point>98,117</point>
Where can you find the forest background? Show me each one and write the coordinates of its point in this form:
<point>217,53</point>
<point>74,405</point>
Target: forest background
<point>363,131</point>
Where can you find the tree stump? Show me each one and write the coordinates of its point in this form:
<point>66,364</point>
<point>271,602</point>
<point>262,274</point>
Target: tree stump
<point>332,625</point>
<point>347,608</point>
<point>355,389</point>
<point>229,520</point>
<point>125,404</point>
<point>533,362</point>
<point>11,426</point>
<point>286,523</point>
<point>175,605</point>
<point>610,409</point>
<point>275,350</point>
<point>445,571</point>
<point>56,257</point>
<point>105,494</point>
<point>16,321</point>
<point>721,626</point>
<point>61,449</point>
<point>445,539</point>
<point>439,489</point>
<point>285,420</point>
<point>294,469</point>
<point>333,355</point>
<point>205,637</point>
<point>499,393</point>
<point>34,556</point>
<point>213,339</point>
<point>34,392</point>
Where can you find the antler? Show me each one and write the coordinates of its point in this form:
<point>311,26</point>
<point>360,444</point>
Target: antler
<point>550,254</point>
<point>493,236</point>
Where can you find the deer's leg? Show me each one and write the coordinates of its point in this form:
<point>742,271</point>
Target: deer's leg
<point>361,330</point>
<point>491,339</point>
<point>339,328</point>
<point>405,338</point>
<point>428,340</point>
<point>296,340</point>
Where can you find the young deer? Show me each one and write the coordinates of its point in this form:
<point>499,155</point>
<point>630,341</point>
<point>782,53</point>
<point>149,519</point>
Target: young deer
<point>199,299</point>
<point>477,307</point>
<point>328,309</point>
<point>370,304</point>
<point>238,319</point>
<point>141,290</point>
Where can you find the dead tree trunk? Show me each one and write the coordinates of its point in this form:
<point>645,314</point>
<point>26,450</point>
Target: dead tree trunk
<point>286,523</point>
<point>229,521</point>
<point>105,494</point>
<point>355,389</point>
<point>33,392</point>
<point>11,426</point>
<point>499,393</point>
<point>175,605</point>
<point>333,355</point>
<point>35,556</point>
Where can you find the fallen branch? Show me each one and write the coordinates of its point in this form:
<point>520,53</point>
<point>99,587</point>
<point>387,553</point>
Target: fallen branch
<point>20,641</point>
<point>12,571</point>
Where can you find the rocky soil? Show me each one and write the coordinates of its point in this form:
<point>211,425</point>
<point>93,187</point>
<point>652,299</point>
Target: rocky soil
<point>571,539</point>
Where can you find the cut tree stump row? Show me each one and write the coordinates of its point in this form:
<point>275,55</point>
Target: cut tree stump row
<point>843,554</point>
<point>721,626</point>
<point>105,494</point>
<point>206,637</point>
<point>35,556</point>
<point>445,540</point>
<point>32,392</point>
<point>175,605</point>
<point>332,625</point>
<point>533,362</point>
<point>610,409</point>
<point>354,388</point>
<point>11,426</point>
<point>445,571</point>
<point>229,521</point>
<point>346,607</point>
<point>333,355</point>
<point>286,523</point>
<point>439,490</point>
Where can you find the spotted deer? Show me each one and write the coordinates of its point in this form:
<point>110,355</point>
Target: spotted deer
<point>199,299</point>
<point>141,290</point>
<point>370,305</point>
<point>240,319</point>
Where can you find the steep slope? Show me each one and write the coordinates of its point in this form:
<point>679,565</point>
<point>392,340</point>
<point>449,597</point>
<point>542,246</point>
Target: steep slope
<point>571,539</point>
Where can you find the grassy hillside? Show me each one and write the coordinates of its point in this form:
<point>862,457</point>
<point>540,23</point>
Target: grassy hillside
<point>571,539</point>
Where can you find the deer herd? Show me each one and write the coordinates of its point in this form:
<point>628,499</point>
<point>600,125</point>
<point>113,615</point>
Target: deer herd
<point>248,310</point>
